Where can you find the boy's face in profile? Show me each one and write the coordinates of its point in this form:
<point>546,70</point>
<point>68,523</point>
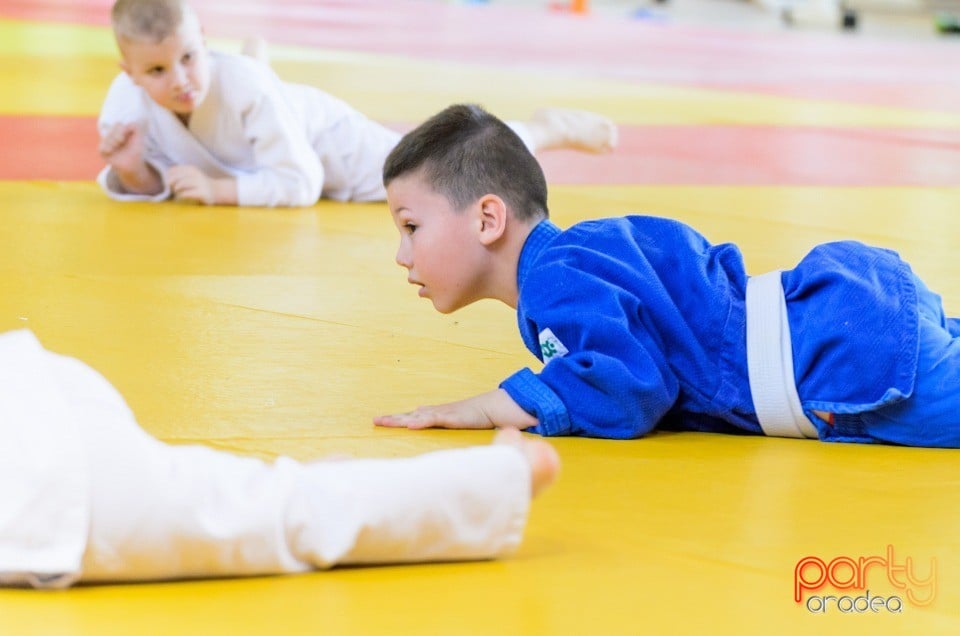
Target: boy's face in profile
<point>174,72</point>
<point>439,245</point>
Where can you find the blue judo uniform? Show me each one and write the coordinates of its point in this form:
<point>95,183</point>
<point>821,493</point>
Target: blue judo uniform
<point>641,324</point>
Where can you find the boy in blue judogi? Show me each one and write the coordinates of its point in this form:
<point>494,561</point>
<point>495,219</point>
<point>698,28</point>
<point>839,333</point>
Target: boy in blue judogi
<point>643,324</point>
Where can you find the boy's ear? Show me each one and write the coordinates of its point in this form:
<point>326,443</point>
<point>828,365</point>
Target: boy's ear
<point>493,218</point>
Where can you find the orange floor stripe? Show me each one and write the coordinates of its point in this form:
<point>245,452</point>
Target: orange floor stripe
<point>56,148</point>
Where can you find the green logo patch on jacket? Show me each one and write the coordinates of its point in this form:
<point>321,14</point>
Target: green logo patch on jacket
<point>550,346</point>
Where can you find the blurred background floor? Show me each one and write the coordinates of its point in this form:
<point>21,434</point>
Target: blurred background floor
<point>887,19</point>
<point>285,331</point>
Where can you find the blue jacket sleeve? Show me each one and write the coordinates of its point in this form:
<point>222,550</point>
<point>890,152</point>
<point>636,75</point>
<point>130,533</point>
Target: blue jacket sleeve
<point>605,373</point>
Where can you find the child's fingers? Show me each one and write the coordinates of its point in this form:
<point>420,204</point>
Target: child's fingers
<point>111,143</point>
<point>120,132</point>
<point>187,193</point>
<point>401,420</point>
<point>191,188</point>
<point>443,416</point>
<point>180,180</point>
<point>182,174</point>
<point>116,131</point>
<point>118,137</point>
<point>125,133</point>
<point>417,419</point>
<point>197,186</point>
<point>385,420</point>
<point>180,184</point>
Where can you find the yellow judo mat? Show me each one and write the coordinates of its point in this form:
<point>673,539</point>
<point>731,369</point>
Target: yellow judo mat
<point>269,332</point>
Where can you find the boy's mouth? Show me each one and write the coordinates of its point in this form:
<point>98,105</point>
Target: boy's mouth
<point>186,97</point>
<point>422,287</point>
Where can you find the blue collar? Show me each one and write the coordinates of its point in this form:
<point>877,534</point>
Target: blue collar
<point>538,239</point>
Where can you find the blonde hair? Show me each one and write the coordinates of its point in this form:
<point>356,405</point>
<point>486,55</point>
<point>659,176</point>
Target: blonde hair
<point>152,20</point>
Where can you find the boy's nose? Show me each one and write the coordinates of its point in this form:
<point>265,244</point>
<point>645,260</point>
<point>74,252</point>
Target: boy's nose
<point>179,75</point>
<point>402,257</point>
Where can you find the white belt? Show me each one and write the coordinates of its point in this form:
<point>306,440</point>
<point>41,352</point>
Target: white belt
<point>770,360</point>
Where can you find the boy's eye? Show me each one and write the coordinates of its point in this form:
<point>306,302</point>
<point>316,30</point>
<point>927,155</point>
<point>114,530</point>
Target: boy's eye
<point>187,57</point>
<point>156,70</point>
<point>410,228</point>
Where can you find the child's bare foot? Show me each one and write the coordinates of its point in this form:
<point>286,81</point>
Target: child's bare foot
<point>256,47</point>
<point>542,457</point>
<point>554,128</point>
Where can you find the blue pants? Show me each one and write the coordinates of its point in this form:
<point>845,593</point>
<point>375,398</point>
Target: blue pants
<point>931,415</point>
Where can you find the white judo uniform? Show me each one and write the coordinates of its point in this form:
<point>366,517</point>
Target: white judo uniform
<point>285,144</point>
<point>87,495</point>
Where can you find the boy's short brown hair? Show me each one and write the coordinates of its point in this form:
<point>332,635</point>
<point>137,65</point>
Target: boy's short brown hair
<point>152,20</point>
<point>464,152</point>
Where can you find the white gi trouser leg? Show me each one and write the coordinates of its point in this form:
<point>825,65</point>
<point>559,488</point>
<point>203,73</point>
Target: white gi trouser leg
<point>770,360</point>
<point>523,131</point>
<point>366,168</point>
<point>159,511</point>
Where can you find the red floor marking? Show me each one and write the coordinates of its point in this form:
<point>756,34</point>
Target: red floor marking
<point>70,11</point>
<point>64,148</point>
<point>54,148</point>
<point>767,155</point>
<point>817,66</point>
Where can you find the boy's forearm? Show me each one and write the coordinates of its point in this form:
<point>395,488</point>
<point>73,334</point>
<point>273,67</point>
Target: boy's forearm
<point>143,180</point>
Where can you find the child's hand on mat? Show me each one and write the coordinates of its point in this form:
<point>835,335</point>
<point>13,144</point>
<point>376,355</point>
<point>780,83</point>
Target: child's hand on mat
<point>189,183</point>
<point>495,409</point>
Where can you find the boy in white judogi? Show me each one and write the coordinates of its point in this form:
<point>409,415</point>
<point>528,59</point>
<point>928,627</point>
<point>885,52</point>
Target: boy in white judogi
<point>216,128</point>
<point>87,495</point>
